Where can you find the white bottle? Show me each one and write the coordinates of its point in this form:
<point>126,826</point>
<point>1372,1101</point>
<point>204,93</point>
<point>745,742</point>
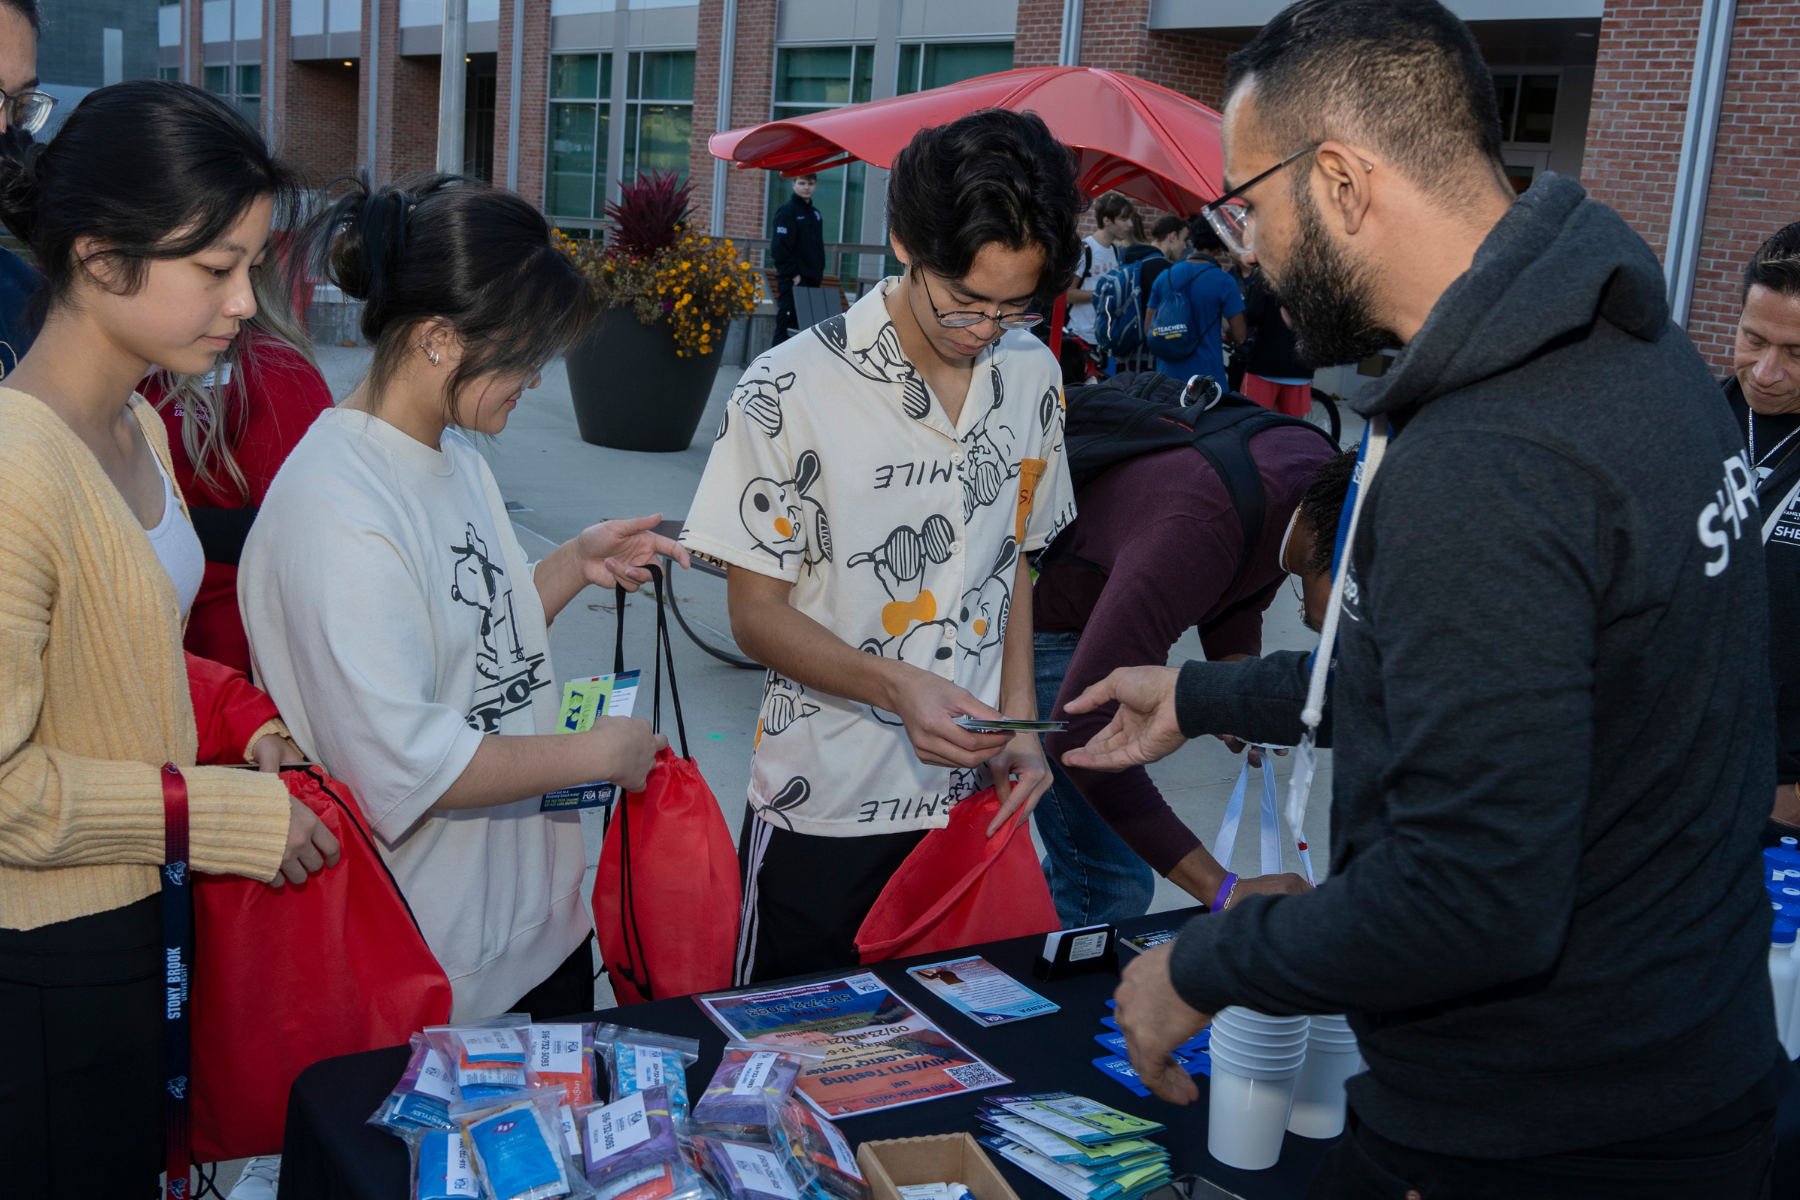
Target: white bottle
<point>1783,972</point>
<point>1791,1043</point>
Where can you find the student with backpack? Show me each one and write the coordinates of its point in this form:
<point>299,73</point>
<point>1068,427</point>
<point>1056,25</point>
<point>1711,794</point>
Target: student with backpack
<point>1189,517</point>
<point>1115,223</point>
<point>1190,305</point>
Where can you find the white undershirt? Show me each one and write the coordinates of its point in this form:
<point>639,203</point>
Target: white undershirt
<point>177,546</point>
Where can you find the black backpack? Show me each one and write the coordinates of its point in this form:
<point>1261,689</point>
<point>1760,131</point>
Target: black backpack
<point>1129,416</point>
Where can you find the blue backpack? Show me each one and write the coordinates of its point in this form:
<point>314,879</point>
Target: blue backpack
<point>1118,316</point>
<point>1176,334</point>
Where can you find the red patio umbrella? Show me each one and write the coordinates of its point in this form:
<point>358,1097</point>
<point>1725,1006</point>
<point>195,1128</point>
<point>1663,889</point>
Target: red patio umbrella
<point>1135,137</point>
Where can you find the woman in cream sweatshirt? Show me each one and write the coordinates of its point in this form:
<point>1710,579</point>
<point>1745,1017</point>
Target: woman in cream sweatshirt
<point>145,213</point>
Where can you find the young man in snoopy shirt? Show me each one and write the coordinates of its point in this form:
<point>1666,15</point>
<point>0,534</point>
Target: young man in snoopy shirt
<point>874,489</point>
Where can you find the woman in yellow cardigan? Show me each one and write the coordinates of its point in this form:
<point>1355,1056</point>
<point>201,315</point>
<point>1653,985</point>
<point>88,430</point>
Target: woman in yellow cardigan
<point>145,213</point>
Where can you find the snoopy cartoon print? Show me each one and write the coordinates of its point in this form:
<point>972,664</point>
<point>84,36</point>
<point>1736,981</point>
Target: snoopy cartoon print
<point>981,619</point>
<point>760,400</point>
<point>989,452</point>
<point>899,564</point>
<point>784,520</point>
<point>784,704</point>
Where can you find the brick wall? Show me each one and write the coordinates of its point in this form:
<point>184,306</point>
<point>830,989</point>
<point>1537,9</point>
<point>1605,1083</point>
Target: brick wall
<point>752,77</point>
<point>533,97</point>
<point>1038,37</point>
<point>317,117</point>
<point>1641,82</point>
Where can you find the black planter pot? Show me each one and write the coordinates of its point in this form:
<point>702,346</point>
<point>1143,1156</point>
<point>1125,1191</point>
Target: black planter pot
<point>631,392</point>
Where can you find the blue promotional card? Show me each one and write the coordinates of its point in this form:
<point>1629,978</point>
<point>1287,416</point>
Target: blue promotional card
<point>981,991</point>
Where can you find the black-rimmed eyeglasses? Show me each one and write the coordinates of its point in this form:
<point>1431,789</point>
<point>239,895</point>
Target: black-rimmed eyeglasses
<point>963,318</point>
<point>27,110</point>
<point>1230,217</point>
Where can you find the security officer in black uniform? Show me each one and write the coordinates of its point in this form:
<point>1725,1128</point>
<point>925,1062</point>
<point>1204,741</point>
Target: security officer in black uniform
<point>1764,393</point>
<point>798,251</point>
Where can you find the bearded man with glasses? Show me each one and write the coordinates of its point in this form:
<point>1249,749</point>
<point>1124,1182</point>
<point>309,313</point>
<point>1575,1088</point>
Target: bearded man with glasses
<point>875,488</point>
<point>1550,711</point>
<point>23,111</point>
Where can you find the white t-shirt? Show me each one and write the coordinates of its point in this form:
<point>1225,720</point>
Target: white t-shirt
<point>837,470</point>
<point>1080,320</point>
<point>393,618</point>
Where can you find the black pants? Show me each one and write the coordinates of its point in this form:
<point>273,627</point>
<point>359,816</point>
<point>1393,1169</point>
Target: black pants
<point>1731,1164</point>
<point>805,896</point>
<point>81,1109</point>
<point>568,991</point>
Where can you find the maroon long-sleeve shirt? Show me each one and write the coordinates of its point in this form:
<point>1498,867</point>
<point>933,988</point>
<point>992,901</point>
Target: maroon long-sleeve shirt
<point>1164,528</point>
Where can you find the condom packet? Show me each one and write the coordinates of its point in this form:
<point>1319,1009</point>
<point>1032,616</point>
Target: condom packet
<point>816,1151</point>
<point>563,1056</point>
<point>748,1080</point>
<point>637,1060</point>
<point>747,1171</point>
<point>441,1167</point>
<point>422,1098</point>
<point>627,1135</point>
<point>486,1058</point>
<point>660,1181</point>
<point>517,1148</point>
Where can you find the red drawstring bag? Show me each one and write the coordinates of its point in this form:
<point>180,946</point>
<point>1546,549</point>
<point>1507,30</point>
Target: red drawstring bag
<point>285,977</point>
<point>666,894</point>
<point>959,887</point>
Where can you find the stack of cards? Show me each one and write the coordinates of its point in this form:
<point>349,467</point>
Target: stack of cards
<point>1084,1150</point>
<point>1194,1055</point>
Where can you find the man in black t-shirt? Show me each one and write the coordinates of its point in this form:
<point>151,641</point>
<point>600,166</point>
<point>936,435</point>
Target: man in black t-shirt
<point>798,250</point>
<point>1764,394</point>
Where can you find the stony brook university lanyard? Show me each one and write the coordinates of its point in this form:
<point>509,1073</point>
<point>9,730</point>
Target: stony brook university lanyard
<point>1368,459</point>
<point>178,964</point>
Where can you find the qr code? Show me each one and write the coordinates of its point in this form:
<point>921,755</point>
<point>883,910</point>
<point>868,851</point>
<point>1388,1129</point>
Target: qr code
<point>975,1075</point>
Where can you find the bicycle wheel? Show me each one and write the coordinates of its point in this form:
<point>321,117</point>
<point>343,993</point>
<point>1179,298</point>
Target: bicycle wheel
<point>1325,415</point>
<point>711,640</point>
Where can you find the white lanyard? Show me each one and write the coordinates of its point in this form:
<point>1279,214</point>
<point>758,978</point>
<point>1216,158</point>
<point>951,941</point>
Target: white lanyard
<point>1375,440</point>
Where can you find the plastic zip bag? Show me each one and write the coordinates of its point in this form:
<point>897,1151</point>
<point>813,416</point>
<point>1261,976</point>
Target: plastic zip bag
<point>441,1167</point>
<point>563,1056</point>
<point>518,1150</point>
<point>748,1080</point>
<point>814,1146</point>
<point>637,1060</point>
<point>486,1058</point>
<point>422,1098</point>
<point>628,1135</point>
<point>746,1171</point>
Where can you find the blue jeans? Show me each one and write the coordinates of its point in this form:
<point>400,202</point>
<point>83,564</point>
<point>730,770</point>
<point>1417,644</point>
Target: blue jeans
<point>1094,876</point>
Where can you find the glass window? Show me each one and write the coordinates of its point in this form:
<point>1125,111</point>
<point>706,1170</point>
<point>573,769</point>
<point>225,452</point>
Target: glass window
<point>908,81</point>
<point>814,79</point>
<point>957,61</point>
<point>659,112</point>
<point>172,74</point>
<point>218,80</point>
<point>1527,106</point>
<point>1537,109</point>
<point>814,75</point>
<point>249,80</point>
<point>580,119</point>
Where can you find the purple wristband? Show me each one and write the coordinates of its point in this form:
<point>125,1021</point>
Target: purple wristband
<point>1218,904</point>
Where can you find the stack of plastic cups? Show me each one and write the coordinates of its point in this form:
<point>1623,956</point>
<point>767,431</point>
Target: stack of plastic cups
<point>1331,1058</point>
<point>1256,1062</point>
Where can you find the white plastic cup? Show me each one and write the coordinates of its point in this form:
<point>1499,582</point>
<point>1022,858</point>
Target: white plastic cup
<point>1318,1110</point>
<point>1246,1018</point>
<point>1246,1117</point>
<point>1254,1066</point>
<point>1253,1052</point>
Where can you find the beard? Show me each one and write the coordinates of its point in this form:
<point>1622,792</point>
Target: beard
<point>1328,299</point>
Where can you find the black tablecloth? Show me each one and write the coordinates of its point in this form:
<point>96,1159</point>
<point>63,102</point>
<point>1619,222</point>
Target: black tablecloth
<point>330,1154</point>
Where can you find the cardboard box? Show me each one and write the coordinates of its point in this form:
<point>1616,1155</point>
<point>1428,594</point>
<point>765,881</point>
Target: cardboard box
<point>941,1158</point>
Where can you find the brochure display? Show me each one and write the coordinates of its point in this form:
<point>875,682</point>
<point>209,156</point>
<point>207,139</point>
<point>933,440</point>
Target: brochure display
<point>878,1051</point>
<point>981,991</point>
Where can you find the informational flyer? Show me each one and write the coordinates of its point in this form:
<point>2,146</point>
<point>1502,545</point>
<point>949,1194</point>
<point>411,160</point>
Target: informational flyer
<point>981,991</point>
<point>583,701</point>
<point>878,1052</point>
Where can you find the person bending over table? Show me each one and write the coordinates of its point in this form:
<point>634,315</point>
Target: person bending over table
<point>1158,550</point>
<point>874,489</point>
<point>1550,709</point>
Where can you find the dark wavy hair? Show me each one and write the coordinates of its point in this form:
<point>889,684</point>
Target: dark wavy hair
<point>150,169</point>
<point>29,10</point>
<point>441,246</point>
<point>1776,263</point>
<point>992,176</point>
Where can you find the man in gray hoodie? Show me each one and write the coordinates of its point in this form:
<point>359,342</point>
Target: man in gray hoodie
<point>1550,713</point>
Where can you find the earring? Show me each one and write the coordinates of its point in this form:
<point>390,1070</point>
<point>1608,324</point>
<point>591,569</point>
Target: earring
<point>429,353</point>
